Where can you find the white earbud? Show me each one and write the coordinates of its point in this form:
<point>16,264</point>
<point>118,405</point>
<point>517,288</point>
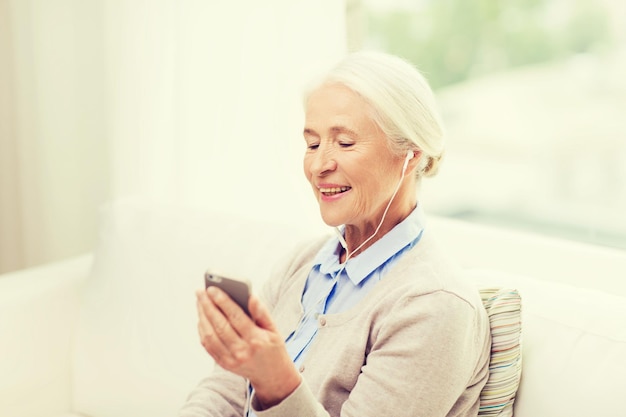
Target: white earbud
<point>409,155</point>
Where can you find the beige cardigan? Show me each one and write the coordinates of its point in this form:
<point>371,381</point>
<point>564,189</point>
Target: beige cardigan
<point>417,345</point>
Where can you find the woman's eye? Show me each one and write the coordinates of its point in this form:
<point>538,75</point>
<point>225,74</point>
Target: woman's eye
<point>345,144</point>
<point>312,146</point>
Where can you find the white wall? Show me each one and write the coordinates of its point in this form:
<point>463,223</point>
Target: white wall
<point>214,117</point>
<point>189,101</point>
<point>53,153</point>
<point>9,230</point>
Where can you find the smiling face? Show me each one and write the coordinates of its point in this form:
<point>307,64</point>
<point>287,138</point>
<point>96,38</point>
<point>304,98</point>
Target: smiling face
<point>349,164</point>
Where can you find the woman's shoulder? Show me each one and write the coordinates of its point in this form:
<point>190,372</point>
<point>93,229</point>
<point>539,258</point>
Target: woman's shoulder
<point>303,252</point>
<point>292,266</point>
<point>429,269</point>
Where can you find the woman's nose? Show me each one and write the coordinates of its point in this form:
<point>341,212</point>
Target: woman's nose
<point>323,161</point>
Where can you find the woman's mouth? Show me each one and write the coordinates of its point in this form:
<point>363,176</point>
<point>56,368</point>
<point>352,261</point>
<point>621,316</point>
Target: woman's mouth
<point>330,191</point>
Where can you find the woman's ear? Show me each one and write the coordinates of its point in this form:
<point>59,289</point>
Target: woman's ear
<point>414,159</point>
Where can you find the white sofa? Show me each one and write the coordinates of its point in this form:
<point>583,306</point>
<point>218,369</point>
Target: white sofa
<point>113,334</point>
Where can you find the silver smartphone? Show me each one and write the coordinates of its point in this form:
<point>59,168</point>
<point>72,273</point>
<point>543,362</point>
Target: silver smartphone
<point>238,290</point>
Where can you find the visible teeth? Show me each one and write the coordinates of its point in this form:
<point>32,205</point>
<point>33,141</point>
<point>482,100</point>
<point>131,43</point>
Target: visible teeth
<point>333,190</point>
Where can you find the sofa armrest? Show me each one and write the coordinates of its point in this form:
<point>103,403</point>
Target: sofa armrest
<point>38,308</point>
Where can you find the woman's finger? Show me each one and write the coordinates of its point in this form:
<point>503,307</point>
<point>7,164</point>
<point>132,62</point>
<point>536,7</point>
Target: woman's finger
<point>234,316</point>
<point>211,337</point>
<point>260,314</point>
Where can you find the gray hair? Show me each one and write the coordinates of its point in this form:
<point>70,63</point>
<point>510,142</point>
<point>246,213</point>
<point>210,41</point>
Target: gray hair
<point>401,100</point>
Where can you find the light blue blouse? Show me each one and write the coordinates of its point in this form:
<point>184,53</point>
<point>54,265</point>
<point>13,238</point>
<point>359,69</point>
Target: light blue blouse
<point>325,293</point>
<point>332,287</point>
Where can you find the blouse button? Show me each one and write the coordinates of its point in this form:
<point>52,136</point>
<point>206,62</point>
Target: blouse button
<point>322,321</point>
<point>301,369</point>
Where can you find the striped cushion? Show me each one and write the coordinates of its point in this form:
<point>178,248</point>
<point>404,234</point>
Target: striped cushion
<point>505,367</point>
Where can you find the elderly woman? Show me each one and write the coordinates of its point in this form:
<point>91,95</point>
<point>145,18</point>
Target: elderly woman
<point>374,321</point>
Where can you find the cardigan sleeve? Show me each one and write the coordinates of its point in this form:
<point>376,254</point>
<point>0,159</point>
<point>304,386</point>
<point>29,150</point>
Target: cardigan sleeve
<point>222,394</point>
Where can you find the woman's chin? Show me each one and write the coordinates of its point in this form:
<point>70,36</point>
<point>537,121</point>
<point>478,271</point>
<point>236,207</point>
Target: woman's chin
<point>331,219</point>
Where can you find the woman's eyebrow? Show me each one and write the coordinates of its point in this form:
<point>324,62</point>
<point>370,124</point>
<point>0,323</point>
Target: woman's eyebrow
<point>342,129</point>
<point>309,132</point>
<point>334,130</point>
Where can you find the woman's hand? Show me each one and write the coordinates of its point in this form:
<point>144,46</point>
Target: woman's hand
<point>250,347</point>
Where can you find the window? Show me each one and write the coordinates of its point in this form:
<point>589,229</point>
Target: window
<point>533,95</point>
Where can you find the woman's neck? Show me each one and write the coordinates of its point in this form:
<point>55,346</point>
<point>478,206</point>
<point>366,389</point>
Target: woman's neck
<point>358,239</point>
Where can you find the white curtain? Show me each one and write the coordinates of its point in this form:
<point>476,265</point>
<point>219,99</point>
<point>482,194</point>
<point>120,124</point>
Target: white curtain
<point>190,101</point>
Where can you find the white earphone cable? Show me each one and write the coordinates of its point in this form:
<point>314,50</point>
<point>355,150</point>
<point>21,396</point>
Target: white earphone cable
<point>307,314</point>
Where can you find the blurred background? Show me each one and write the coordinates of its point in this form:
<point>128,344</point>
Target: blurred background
<point>533,94</point>
<point>198,102</point>
<point>190,102</point>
